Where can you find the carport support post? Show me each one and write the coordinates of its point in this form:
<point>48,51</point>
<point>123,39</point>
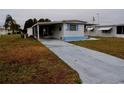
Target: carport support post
<point>38,32</point>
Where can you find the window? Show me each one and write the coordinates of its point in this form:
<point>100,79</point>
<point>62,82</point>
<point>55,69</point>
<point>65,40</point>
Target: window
<point>72,27</point>
<point>120,29</point>
<point>106,31</point>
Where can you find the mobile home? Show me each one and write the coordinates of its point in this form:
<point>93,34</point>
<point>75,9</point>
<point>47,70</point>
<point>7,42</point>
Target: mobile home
<point>67,30</point>
<point>106,30</point>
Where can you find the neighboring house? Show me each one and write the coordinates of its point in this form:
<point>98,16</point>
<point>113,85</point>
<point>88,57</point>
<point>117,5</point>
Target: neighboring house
<point>67,30</point>
<point>29,32</point>
<point>3,31</point>
<point>106,30</point>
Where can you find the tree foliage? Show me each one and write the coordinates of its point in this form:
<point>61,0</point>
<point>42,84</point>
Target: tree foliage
<point>10,24</point>
<point>8,21</point>
<point>34,20</point>
<point>28,23</point>
<point>47,20</point>
<point>44,20</point>
<point>41,20</point>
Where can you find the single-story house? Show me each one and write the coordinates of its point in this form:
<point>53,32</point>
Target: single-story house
<point>3,31</point>
<point>106,30</point>
<point>67,30</point>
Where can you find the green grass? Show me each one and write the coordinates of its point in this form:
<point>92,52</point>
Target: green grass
<point>112,46</point>
<point>28,61</point>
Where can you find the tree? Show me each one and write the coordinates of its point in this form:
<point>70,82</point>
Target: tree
<point>28,23</point>
<point>35,20</point>
<point>41,20</point>
<point>10,23</point>
<point>47,20</point>
<point>17,27</point>
<point>44,20</point>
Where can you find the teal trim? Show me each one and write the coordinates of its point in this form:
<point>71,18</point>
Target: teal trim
<point>74,38</point>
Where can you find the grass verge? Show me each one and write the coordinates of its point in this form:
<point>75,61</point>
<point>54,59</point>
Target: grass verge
<point>28,61</point>
<point>109,45</point>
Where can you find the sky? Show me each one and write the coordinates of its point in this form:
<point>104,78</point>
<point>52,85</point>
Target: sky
<point>105,16</point>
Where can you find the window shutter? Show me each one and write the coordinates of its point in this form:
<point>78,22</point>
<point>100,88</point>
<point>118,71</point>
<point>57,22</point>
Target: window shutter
<point>77,27</point>
<point>68,27</point>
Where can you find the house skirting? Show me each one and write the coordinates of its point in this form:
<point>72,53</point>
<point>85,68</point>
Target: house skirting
<point>74,38</point>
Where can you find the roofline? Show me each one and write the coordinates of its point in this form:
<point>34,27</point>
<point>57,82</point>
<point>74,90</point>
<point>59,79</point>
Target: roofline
<point>91,24</point>
<point>111,25</point>
<point>58,22</point>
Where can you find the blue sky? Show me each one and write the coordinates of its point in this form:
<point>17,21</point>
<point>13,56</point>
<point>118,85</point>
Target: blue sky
<point>108,16</point>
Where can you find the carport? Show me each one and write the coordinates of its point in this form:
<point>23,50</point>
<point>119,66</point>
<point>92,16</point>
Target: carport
<point>45,29</point>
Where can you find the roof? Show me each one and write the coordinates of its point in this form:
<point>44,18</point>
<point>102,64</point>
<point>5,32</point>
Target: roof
<point>48,23</point>
<point>110,25</point>
<point>61,22</point>
<point>89,24</point>
<point>74,21</point>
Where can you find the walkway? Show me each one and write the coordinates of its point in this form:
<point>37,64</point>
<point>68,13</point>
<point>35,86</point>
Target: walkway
<point>92,66</point>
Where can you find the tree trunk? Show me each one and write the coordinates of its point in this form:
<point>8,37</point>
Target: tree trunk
<point>13,31</point>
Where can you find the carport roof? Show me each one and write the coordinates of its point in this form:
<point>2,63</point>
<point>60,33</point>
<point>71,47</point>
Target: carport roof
<point>60,22</point>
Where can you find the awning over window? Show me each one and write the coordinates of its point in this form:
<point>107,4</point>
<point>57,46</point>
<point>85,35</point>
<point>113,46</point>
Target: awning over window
<point>105,28</point>
<point>90,29</point>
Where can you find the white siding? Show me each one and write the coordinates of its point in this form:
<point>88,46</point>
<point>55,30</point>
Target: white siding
<point>3,32</point>
<point>80,31</point>
<point>29,32</point>
<point>112,34</point>
<point>97,32</point>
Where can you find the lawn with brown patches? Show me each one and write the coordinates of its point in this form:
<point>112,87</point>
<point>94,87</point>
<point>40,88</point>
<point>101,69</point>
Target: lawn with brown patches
<point>112,46</point>
<point>28,61</point>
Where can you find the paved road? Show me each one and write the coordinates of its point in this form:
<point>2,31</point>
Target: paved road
<point>93,67</point>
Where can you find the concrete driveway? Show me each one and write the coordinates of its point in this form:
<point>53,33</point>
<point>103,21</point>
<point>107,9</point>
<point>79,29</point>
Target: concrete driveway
<point>92,66</point>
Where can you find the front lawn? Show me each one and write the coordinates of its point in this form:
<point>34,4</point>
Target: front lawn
<point>112,46</point>
<point>28,61</point>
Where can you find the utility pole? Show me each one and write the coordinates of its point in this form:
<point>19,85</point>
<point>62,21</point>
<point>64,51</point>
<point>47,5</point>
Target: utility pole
<point>93,19</point>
